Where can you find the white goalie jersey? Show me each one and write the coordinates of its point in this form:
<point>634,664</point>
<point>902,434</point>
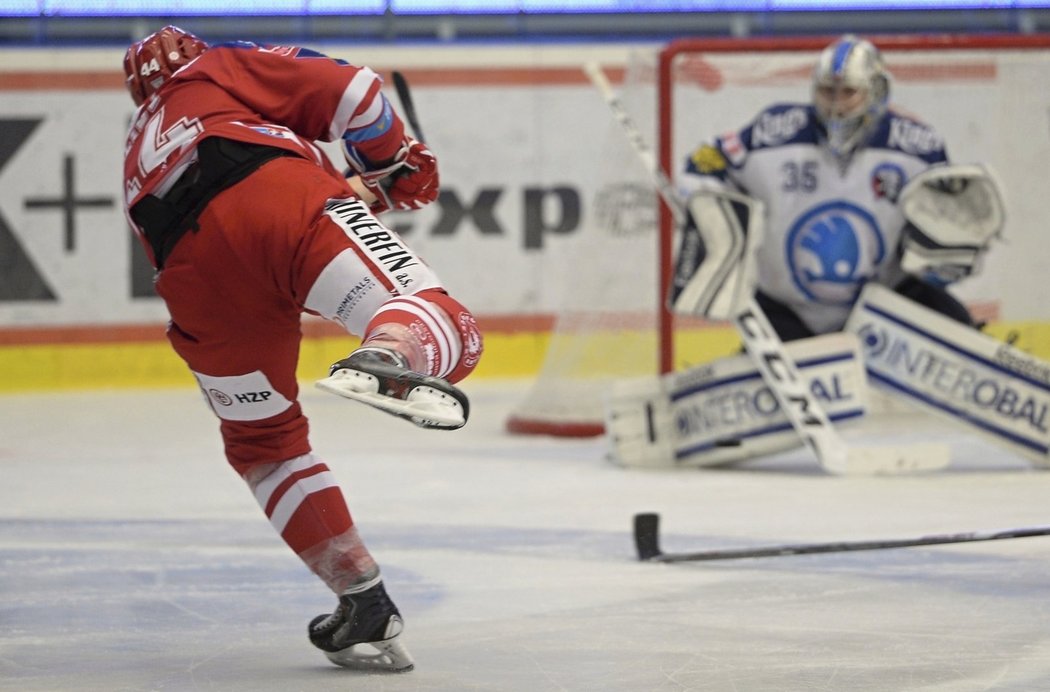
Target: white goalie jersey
<point>829,229</point>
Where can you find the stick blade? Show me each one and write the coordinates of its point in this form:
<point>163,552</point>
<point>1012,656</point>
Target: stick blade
<point>894,460</point>
<point>646,535</point>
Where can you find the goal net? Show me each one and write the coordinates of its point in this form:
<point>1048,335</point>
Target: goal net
<point>980,92</point>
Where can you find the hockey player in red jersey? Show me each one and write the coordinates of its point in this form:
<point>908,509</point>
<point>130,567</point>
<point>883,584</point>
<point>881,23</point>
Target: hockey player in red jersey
<point>250,225</point>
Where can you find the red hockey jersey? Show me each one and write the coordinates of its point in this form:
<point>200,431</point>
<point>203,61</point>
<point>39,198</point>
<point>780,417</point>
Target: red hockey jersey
<point>281,96</point>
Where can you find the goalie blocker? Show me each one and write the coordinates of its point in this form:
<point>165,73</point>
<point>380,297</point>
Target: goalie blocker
<point>968,377</point>
<point>715,268</point>
<point>724,412</point>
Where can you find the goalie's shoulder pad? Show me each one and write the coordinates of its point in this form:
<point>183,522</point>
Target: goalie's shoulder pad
<point>912,137</point>
<point>781,124</point>
<point>707,159</point>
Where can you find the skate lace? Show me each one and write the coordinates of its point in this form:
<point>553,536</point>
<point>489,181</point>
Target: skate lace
<point>331,621</point>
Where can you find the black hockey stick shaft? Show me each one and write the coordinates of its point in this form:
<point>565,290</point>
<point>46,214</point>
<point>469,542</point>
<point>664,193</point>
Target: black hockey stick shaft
<point>647,543</point>
<point>405,96</point>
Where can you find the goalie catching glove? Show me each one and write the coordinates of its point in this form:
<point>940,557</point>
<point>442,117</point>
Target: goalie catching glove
<point>406,182</point>
<point>953,214</point>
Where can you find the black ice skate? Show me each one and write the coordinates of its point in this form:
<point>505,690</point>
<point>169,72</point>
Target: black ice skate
<point>365,617</point>
<point>380,378</point>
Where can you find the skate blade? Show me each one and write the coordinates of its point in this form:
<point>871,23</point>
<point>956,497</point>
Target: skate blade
<point>426,407</point>
<point>389,656</point>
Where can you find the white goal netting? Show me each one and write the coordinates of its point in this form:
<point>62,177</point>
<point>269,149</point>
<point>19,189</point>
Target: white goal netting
<point>984,94</point>
<point>606,327</point>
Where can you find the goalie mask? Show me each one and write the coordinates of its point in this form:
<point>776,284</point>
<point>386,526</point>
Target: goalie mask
<point>149,63</point>
<point>851,89</point>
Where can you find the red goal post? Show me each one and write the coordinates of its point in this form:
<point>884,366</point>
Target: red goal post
<point>699,88</point>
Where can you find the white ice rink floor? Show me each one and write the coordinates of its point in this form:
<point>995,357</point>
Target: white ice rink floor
<point>133,558</point>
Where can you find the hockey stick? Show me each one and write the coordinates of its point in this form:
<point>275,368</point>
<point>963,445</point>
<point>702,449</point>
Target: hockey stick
<point>405,96</point>
<point>647,543</point>
<point>806,414</point>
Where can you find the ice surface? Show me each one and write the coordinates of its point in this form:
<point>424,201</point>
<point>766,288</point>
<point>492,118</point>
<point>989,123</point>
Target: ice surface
<point>133,558</point>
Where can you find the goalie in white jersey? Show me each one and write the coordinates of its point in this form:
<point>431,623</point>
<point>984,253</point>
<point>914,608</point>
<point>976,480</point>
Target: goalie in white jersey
<point>831,174</point>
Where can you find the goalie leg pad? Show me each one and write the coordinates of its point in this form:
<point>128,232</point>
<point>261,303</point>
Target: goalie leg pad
<point>723,412</point>
<point>969,378</point>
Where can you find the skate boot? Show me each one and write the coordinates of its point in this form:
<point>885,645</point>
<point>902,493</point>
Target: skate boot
<point>365,617</point>
<point>380,378</point>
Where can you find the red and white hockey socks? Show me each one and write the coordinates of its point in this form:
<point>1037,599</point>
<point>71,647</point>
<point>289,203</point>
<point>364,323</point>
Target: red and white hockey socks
<point>437,335</point>
<point>303,502</point>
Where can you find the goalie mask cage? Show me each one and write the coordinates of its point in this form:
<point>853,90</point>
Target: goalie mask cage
<point>984,93</point>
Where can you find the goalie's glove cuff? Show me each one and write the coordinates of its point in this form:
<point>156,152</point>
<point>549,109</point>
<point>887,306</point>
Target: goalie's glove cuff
<point>406,182</point>
<point>937,263</point>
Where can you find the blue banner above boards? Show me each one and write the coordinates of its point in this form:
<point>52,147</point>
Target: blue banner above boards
<point>173,8</point>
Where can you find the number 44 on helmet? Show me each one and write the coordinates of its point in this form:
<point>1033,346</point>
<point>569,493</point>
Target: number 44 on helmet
<point>149,63</point>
